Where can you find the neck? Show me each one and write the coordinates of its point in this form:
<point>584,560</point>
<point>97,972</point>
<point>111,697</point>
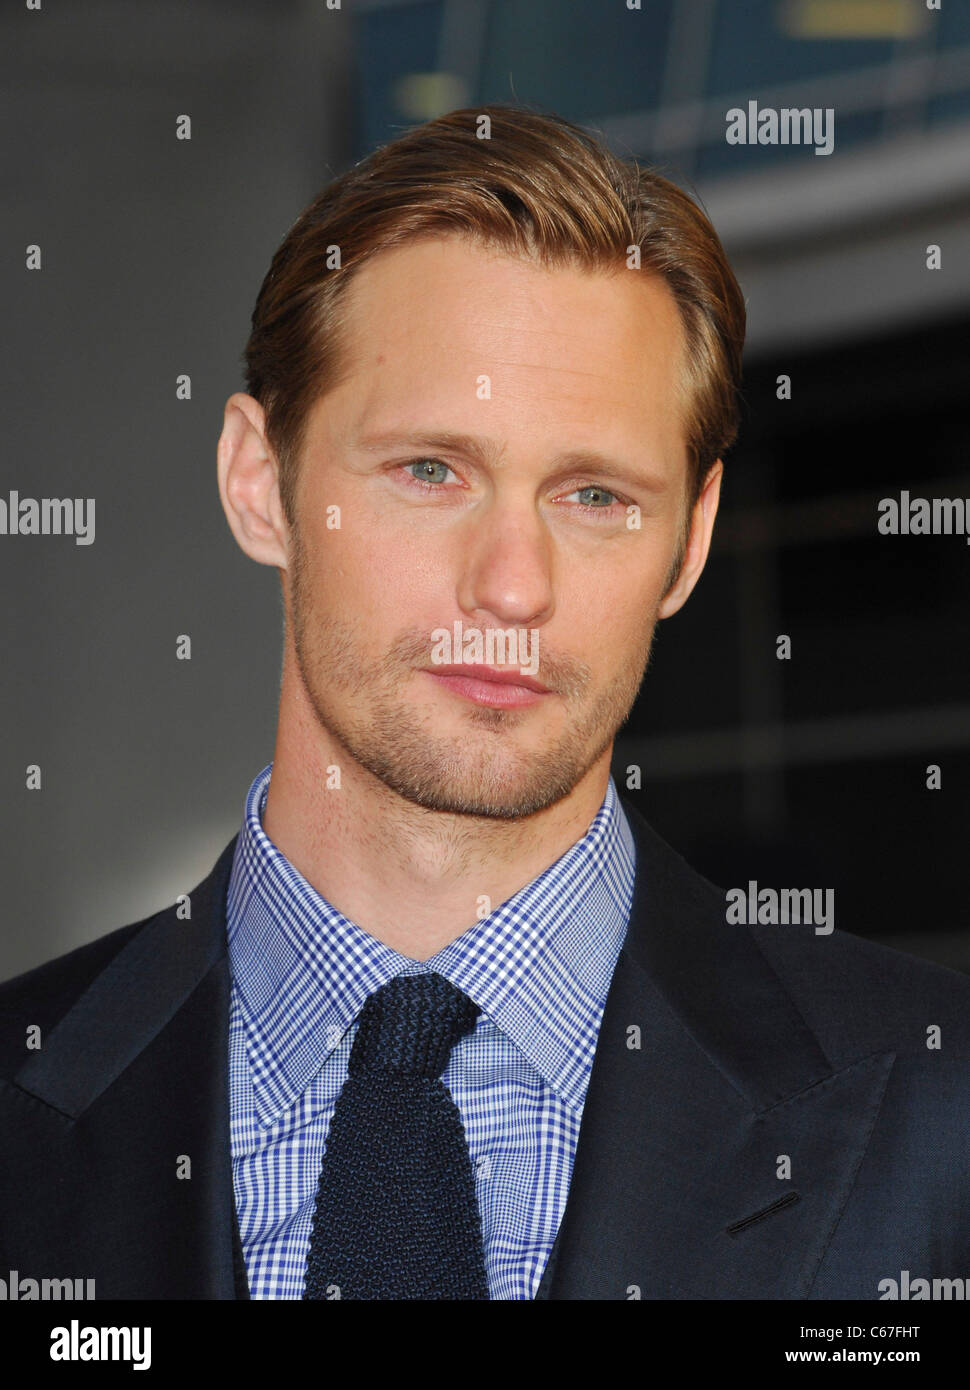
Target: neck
<point>413,878</point>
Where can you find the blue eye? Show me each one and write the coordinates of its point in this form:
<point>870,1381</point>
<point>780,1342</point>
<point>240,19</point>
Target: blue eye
<point>431,475</point>
<point>599,492</point>
<point>427,467</point>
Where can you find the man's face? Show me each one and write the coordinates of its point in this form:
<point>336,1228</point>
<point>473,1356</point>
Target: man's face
<point>533,369</point>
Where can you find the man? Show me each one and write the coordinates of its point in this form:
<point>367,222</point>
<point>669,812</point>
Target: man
<point>448,1020</point>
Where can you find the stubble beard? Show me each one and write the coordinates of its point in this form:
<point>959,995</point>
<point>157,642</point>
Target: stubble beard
<point>371,708</point>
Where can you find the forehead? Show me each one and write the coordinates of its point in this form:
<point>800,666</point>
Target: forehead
<point>570,349</point>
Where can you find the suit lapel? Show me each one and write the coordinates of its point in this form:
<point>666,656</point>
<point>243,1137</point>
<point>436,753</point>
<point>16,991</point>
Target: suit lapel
<point>705,1079</point>
<point>120,1121</point>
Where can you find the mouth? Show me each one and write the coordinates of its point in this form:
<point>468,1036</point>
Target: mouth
<point>488,685</point>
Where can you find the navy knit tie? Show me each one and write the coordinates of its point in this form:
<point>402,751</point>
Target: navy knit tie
<point>396,1215</point>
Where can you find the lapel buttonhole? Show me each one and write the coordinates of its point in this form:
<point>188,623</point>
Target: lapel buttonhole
<point>786,1201</point>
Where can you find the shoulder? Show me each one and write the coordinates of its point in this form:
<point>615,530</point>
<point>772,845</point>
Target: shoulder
<point>43,996</point>
<point>859,995</point>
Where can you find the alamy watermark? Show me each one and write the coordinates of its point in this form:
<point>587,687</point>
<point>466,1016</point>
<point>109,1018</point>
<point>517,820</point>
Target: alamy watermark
<point>789,125</point>
<point>782,906</point>
<point>924,516</point>
<point>905,1288</point>
<point>77,1343</point>
<point>18,1289</point>
<point>496,646</point>
<point>48,516</point>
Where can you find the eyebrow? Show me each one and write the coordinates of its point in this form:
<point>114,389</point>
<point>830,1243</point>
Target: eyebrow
<point>487,454</point>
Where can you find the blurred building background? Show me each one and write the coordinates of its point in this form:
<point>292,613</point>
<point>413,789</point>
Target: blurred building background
<point>808,772</point>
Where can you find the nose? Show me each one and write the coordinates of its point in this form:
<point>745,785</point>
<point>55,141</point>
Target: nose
<point>507,569</point>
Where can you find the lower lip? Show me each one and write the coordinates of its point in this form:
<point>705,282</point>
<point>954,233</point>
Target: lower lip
<point>492,693</point>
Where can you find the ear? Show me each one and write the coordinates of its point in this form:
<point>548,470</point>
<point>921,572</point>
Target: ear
<point>698,544</point>
<point>249,483</point>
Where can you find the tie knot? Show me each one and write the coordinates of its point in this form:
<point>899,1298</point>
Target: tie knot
<point>410,1026</point>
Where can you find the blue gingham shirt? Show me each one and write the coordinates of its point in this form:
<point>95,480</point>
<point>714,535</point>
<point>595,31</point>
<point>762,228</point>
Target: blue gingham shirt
<point>538,966</point>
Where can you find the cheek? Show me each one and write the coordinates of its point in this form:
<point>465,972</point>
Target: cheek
<point>379,585</point>
<point>604,624</point>
<point>620,592</point>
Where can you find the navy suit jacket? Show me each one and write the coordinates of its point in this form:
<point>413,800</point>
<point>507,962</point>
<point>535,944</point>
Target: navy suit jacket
<point>728,1057</point>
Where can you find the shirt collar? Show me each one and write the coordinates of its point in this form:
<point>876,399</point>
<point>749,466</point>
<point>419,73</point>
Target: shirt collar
<point>538,966</point>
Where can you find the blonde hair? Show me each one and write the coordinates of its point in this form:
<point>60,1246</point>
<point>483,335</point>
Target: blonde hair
<point>539,186</point>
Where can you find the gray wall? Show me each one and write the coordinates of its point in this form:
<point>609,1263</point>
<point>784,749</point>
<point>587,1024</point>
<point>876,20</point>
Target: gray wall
<point>153,251</point>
